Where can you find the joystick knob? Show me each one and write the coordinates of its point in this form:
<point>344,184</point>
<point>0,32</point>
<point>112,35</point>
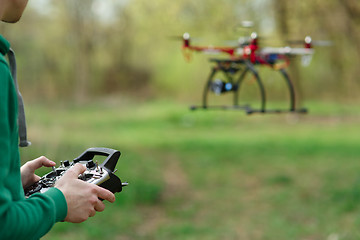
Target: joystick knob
<point>90,164</point>
<point>66,163</point>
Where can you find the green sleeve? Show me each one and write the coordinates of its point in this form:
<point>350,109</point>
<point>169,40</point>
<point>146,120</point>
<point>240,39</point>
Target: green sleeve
<point>32,218</point>
<point>20,218</point>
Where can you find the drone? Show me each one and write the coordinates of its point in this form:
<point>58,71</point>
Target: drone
<point>242,62</point>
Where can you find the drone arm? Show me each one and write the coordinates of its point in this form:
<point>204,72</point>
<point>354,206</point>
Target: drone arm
<point>186,53</point>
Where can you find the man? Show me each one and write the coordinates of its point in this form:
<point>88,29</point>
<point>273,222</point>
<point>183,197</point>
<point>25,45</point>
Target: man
<point>70,200</point>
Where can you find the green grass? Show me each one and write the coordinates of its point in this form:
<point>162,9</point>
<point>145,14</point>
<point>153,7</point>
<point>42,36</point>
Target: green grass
<point>212,174</point>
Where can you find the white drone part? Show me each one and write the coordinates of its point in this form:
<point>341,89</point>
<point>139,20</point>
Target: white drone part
<point>308,39</point>
<point>186,36</point>
<point>240,51</point>
<point>287,51</point>
<point>306,60</point>
<point>254,35</point>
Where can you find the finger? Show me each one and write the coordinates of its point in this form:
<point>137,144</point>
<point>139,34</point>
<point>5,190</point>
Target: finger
<point>99,206</point>
<point>105,194</point>
<point>47,162</point>
<point>36,178</point>
<point>74,171</point>
<point>92,213</point>
<point>40,162</point>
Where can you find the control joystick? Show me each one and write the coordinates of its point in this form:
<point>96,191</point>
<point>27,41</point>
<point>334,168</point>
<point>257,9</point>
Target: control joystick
<point>99,174</point>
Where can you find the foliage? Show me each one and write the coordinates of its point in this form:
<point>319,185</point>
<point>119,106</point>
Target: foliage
<point>82,49</point>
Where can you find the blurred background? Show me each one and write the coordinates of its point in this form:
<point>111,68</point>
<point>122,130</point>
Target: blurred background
<point>97,73</point>
<point>95,48</point>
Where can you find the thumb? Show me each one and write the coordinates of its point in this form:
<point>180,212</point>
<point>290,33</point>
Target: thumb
<point>75,171</point>
<point>40,162</point>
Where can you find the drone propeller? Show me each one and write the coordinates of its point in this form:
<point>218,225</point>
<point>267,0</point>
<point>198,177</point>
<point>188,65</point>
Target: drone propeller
<point>239,42</point>
<point>324,43</point>
<point>185,36</point>
<point>243,41</point>
<point>308,40</point>
<point>175,37</point>
<point>245,24</point>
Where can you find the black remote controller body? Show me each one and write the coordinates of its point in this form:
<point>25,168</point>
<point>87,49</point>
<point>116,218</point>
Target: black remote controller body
<point>99,174</point>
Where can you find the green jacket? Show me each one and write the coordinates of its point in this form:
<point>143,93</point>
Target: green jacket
<point>20,218</point>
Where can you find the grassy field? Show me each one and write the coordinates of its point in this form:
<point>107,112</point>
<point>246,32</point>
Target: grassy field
<point>215,174</point>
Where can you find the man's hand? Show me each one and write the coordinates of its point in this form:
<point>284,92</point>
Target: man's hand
<point>28,176</point>
<point>82,197</point>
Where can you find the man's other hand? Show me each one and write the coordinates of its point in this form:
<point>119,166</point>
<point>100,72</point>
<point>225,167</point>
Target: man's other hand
<point>82,197</point>
<point>28,176</point>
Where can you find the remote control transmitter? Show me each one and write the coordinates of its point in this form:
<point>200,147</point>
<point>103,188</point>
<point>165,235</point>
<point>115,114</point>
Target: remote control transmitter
<point>99,174</point>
